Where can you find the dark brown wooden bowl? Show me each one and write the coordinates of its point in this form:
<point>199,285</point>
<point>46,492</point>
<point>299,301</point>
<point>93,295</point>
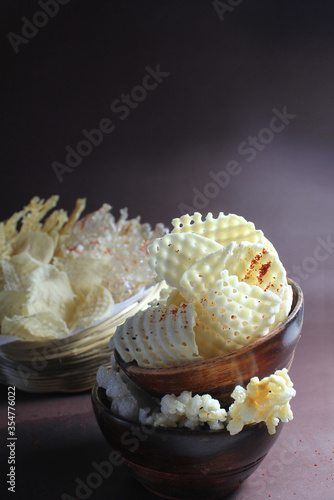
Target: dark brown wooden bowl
<point>180,463</point>
<point>219,376</point>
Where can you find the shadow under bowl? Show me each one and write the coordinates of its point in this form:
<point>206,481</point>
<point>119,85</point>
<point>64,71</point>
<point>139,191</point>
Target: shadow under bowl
<point>180,463</point>
<point>218,376</point>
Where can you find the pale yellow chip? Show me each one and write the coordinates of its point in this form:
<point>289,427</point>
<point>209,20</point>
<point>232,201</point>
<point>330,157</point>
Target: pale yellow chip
<point>286,304</point>
<point>5,248</point>
<point>234,315</point>
<point>175,298</point>
<point>34,213</point>
<point>158,337</point>
<point>55,221</point>
<point>40,326</point>
<point>17,270</point>
<point>173,254</point>
<point>224,229</point>
<point>12,303</point>
<point>84,272</point>
<point>256,265</point>
<point>97,305</point>
<point>80,206</point>
<point>50,290</point>
<point>38,245</point>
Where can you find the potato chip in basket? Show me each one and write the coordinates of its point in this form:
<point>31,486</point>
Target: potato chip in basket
<point>39,326</point>
<point>96,305</point>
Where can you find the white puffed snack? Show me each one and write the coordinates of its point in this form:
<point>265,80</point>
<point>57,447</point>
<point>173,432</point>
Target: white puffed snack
<point>158,337</point>
<point>266,400</point>
<point>188,411</point>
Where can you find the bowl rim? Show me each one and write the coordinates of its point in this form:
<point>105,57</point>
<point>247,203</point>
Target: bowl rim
<point>297,296</point>
<point>96,401</point>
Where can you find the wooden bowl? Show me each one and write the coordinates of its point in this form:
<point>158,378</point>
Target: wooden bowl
<point>219,376</point>
<point>182,464</point>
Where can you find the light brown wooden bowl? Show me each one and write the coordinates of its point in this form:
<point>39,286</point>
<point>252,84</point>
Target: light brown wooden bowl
<point>219,376</point>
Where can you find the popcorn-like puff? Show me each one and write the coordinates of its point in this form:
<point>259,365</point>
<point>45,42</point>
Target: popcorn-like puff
<point>263,400</point>
<point>188,411</point>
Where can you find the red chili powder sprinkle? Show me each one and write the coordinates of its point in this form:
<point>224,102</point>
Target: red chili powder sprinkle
<point>263,270</point>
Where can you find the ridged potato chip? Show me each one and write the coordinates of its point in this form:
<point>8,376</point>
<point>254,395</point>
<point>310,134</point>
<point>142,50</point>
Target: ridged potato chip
<point>40,326</point>
<point>224,229</point>
<point>158,337</point>
<point>96,305</point>
<point>173,254</point>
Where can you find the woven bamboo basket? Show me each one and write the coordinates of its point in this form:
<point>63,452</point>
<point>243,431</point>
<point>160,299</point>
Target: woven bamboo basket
<point>68,364</point>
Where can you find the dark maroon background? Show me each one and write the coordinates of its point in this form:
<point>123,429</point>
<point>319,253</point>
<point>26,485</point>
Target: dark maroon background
<point>225,78</point>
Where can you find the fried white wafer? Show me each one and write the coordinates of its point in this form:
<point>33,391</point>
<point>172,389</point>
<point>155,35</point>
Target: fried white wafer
<point>40,326</point>
<point>158,337</point>
<point>96,305</point>
<point>232,314</point>
<point>173,254</point>
<point>286,303</point>
<point>224,229</point>
<point>250,262</point>
<point>256,265</point>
